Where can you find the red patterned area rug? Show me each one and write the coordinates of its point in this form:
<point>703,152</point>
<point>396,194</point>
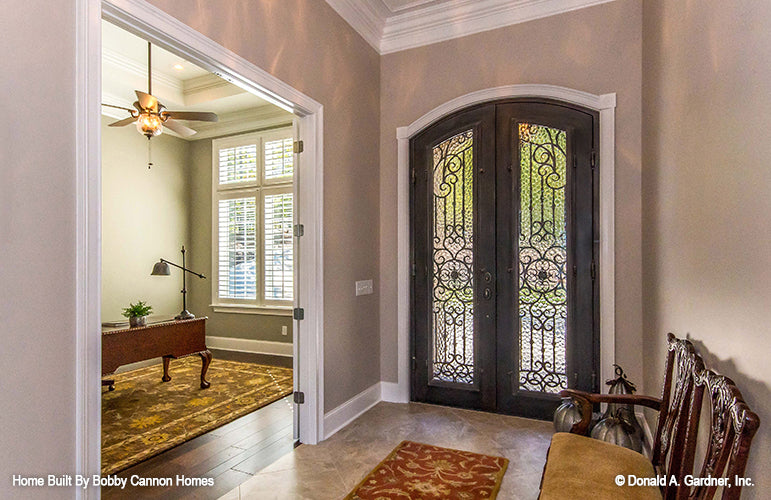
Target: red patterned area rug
<point>420,471</point>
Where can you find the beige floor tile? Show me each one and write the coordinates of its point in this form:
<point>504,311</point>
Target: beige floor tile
<point>293,484</point>
<point>231,495</point>
<point>334,467</point>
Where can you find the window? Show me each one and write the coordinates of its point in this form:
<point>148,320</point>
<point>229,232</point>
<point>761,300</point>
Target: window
<point>253,209</point>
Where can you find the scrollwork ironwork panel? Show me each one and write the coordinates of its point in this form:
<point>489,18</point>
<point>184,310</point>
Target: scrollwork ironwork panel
<point>453,260</point>
<point>542,258</point>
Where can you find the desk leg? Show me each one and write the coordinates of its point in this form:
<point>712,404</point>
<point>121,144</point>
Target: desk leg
<point>166,361</point>
<point>205,360</point>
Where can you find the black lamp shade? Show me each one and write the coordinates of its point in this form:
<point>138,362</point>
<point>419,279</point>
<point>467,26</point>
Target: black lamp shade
<point>161,268</point>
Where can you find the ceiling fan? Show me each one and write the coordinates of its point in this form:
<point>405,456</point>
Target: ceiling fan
<point>150,116</point>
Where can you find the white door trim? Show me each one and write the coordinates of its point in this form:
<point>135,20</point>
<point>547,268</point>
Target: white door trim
<point>88,231</point>
<point>155,25</point>
<point>605,104</point>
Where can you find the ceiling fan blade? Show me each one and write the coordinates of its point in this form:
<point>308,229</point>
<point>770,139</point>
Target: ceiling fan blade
<point>118,107</point>
<point>123,122</point>
<point>201,116</point>
<point>179,128</point>
<point>146,101</point>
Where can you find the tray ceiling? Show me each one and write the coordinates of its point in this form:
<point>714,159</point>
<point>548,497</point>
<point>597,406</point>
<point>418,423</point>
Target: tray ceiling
<point>394,25</point>
<point>178,84</point>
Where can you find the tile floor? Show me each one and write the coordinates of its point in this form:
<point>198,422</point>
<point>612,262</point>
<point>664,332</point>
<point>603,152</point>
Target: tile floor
<point>332,468</point>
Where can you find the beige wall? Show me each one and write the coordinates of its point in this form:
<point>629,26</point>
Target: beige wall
<point>596,50</point>
<point>37,243</point>
<point>144,218</point>
<point>706,182</point>
<point>308,46</point>
<point>243,326</point>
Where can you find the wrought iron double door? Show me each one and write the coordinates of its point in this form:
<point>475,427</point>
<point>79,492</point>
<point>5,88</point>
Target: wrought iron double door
<point>504,236</point>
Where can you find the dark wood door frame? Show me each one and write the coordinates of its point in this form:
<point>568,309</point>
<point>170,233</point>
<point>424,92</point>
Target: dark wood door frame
<point>497,395</point>
<point>482,395</point>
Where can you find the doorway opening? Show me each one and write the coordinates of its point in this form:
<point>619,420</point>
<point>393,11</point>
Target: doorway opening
<point>214,181</point>
<point>164,31</point>
<point>505,247</point>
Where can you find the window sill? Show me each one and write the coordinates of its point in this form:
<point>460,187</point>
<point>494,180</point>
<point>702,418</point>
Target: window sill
<point>246,309</point>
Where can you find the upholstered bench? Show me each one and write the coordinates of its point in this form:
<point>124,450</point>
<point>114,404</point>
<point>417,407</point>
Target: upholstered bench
<point>578,467</point>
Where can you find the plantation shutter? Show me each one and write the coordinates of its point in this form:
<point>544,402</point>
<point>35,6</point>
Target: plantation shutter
<point>278,255</point>
<point>238,248</point>
<point>238,164</point>
<point>279,158</point>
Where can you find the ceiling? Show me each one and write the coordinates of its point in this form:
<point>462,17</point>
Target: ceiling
<point>394,25</point>
<point>179,85</point>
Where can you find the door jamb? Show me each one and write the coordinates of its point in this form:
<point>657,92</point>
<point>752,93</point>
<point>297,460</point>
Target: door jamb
<point>162,29</point>
<point>605,104</point>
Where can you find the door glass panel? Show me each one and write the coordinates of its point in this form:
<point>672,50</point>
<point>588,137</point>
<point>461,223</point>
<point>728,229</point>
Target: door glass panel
<point>542,258</point>
<point>452,311</point>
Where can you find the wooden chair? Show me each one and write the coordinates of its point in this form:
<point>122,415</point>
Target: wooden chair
<point>732,426</point>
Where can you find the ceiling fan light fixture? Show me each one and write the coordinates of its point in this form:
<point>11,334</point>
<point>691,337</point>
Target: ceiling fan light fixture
<point>149,124</point>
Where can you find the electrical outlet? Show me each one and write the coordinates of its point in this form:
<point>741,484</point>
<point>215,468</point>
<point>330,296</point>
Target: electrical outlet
<point>284,330</point>
<point>364,287</point>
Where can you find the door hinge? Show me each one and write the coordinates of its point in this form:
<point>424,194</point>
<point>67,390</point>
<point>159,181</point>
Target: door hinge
<point>298,147</point>
<point>593,159</point>
<point>299,230</point>
<point>594,381</point>
<point>413,175</point>
<point>299,397</point>
<point>575,270</point>
<point>575,161</point>
<point>298,313</point>
<point>414,270</point>
<point>594,270</point>
<point>414,363</point>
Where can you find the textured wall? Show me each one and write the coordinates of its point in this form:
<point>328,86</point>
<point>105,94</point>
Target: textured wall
<point>37,243</point>
<point>596,50</point>
<point>308,46</point>
<point>144,218</point>
<point>706,186</point>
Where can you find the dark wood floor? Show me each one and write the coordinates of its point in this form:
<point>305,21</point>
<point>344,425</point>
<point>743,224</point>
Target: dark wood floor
<point>230,454</point>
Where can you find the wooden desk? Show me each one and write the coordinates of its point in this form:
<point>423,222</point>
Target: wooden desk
<point>172,339</point>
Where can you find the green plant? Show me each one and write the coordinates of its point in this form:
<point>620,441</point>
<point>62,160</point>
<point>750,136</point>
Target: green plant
<point>137,310</point>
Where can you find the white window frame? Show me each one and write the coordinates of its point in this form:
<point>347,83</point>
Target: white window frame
<point>257,189</point>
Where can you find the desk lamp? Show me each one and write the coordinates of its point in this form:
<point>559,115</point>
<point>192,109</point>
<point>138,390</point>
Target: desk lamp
<point>161,268</point>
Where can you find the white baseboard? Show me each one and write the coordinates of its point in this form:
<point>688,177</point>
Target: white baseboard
<point>349,411</point>
<point>253,346</point>
<point>393,392</point>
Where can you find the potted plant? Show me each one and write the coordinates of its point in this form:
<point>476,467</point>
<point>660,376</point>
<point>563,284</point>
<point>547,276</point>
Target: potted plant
<point>137,313</point>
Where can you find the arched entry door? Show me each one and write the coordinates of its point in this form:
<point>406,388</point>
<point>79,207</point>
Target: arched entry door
<point>504,243</point>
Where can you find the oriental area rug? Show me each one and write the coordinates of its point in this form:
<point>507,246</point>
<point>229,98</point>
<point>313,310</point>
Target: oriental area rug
<point>420,471</point>
<point>144,416</point>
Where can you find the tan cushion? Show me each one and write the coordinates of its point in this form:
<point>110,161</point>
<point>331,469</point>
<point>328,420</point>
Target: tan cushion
<point>579,467</point>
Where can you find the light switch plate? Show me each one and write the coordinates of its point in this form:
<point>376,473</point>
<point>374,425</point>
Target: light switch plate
<point>364,287</point>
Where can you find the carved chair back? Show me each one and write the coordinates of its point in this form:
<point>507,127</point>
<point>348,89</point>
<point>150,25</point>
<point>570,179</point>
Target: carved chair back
<point>732,425</point>
<point>674,445</point>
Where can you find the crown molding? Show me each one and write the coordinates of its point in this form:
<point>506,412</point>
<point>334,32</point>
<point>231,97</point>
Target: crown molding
<point>245,120</point>
<point>139,69</point>
<point>391,32</point>
<point>366,17</point>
